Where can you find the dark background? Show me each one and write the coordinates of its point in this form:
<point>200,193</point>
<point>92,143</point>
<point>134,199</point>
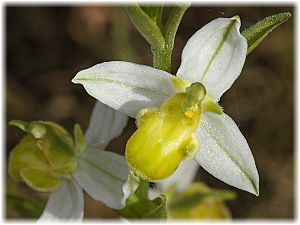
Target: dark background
<point>46,46</point>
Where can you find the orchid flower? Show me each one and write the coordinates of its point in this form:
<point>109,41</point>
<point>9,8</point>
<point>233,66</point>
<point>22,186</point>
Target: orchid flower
<point>102,174</point>
<point>211,61</point>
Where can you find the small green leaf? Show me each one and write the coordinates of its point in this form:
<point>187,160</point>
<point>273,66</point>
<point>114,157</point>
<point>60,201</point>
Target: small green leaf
<point>146,26</point>
<point>80,144</point>
<point>139,206</point>
<point>26,208</point>
<point>24,126</point>
<point>172,24</point>
<point>162,57</point>
<point>257,32</point>
<point>155,13</point>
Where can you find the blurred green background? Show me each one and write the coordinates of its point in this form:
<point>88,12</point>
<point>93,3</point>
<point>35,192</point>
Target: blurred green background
<point>46,46</point>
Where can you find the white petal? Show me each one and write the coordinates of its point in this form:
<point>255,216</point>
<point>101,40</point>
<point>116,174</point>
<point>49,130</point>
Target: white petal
<point>214,56</point>
<point>102,175</point>
<point>66,203</point>
<point>224,152</point>
<point>105,124</point>
<point>126,87</point>
<point>183,176</point>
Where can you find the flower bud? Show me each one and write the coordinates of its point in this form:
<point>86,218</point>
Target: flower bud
<point>43,157</point>
<point>199,202</point>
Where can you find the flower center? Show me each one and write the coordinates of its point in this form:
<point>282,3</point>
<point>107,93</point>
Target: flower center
<point>165,137</point>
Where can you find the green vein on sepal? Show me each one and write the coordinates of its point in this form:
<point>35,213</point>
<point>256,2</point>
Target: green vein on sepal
<point>118,83</point>
<point>220,45</point>
<point>247,175</point>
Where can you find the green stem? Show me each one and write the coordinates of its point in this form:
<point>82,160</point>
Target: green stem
<point>148,21</point>
<point>172,26</point>
<point>155,13</point>
<point>162,58</point>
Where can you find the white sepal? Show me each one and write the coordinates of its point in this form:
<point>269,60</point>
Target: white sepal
<point>224,152</point>
<point>64,204</point>
<point>102,175</point>
<point>105,124</point>
<point>214,56</point>
<point>126,87</point>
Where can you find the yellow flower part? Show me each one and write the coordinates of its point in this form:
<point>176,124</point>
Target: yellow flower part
<point>165,137</point>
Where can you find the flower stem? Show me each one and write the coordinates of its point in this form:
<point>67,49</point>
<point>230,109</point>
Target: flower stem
<point>162,58</point>
<point>148,23</point>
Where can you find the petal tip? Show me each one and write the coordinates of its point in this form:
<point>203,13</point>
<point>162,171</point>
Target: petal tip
<point>76,79</point>
<point>256,193</point>
<point>237,18</point>
<point>255,188</point>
